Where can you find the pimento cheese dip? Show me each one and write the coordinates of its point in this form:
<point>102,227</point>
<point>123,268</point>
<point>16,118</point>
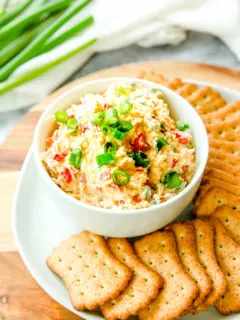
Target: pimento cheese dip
<point>120,149</point>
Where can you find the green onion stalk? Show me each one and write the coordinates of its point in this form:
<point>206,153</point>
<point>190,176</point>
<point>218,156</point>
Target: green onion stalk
<point>35,47</point>
<point>32,74</point>
<point>7,17</point>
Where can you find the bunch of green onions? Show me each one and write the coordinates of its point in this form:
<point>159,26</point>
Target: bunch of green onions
<point>27,31</point>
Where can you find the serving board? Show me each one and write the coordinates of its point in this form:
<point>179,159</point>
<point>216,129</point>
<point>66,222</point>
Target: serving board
<point>20,296</point>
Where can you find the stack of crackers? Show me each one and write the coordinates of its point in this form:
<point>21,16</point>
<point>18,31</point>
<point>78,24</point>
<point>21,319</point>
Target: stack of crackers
<point>185,268</point>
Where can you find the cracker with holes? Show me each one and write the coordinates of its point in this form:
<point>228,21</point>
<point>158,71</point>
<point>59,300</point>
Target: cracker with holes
<point>88,269</point>
<point>230,219</point>
<point>143,288</point>
<point>228,130</point>
<point>214,198</point>
<point>227,113</point>
<point>206,254</point>
<point>159,251</point>
<point>210,182</point>
<point>186,244</point>
<point>228,254</point>
<point>224,166</point>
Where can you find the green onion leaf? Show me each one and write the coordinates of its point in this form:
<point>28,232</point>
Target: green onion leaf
<point>124,91</point>
<point>61,116</point>
<point>119,135</point>
<point>161,142</point>
<point>98,117</point>
<point>72,125</point>
<point>182,125</point>
<point>110,147</point>
<point>111,117</point>
<point>121,178</point>
<point>105,159</point>
<point>75,158</point>
<point>162,127</point>
<point>124,126</point>
<point>172,180</point>
<point>140,158</point>
<point>106,129</point>
<point>125,106</point>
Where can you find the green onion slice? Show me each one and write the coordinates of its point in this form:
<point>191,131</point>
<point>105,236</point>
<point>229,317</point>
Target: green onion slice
<point>119,135</point>
<point>106,129</point>
<point>111,117</point>
<point>75,158</point>
<point>110,147</point>
<point>124,91</point>
<point>154,90</point>
<point>61,116</point>
<point>124,126</point>
<point>72,125</point>
<point>172,180</point>
<point>121,178</point>
<point>182,125</point>
<point>162,127</point>
<point>161,142</point>
<point>125,106</point>
<point>98,117</point>
<point>140,158</point>
<point>105,159</point>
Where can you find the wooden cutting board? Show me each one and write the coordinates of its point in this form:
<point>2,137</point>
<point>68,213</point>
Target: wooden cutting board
<point>20,296</point>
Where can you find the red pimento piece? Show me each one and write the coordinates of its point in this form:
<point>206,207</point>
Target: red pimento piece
<point>174,162</point>
<point>177,135</point>
<point>185,167</point>
<point>84,129</point>
<point>71,116</point>
<point>183,140</point>
<point>121,202</point>
<point>105,175</point>
<point>108,106</point>
<point>67,175</point>
<point>139,142</point>
<point>99,189</point>
<point>140,169</point>
<point>59,156</point>
<point>147,183</point>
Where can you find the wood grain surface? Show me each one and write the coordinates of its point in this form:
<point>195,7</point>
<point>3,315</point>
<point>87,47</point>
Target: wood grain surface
<point>20,296</point>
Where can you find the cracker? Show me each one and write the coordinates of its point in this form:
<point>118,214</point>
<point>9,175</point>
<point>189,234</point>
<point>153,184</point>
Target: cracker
<point>206,253</point>
<point>186,243</point>
<point>223,175</point>
<point>223,165</point>
<point>228,130</point>
<point>230,219</point>
<point>214,198</point>
<point>143,288</point>
<point>227,113</point>
<point>153,76</point>
<point>159,251</point>
<point>89,270</point>
<point>228,186</point>
<point>225,150</point>
<point>228,254</point>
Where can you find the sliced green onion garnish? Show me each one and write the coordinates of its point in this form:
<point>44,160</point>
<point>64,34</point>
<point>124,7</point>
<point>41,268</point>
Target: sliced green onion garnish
<point>72,125</point>
<point>111,117</point>
<point>110,147</point>
<point>182,125</point>
<point>125,106</point>
<point>161,142</point>
<point>105,159</point>
<point>124,126</point>
<point>75,158</point>
<point>121,178</point>
<point>162,127</point>
<point>154,90</point>
<point>61,116</point>
<point>106,129</point>
<point>172,180</point>
<point>140,158</point>
<point>98,117</point>
<point>124,91</point>
<point>119,135</point>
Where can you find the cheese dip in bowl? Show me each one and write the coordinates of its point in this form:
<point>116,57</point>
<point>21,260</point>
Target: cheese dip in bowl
<point>117,151</point>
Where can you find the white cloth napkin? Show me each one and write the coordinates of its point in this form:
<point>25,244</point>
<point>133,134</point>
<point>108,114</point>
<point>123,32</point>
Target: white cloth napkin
<point>121,23</point>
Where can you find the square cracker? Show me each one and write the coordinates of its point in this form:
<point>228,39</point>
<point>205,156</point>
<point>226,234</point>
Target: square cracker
<point>230,219</point>
<point>206,253</point>
<point>159,251</point>
<point>208,182</point>
<point>143,288</point>
<point>223,165</point>
<point>228,130</point>
<point>227,113</point>
<point>186,244</point>
<point>223,175</point>
<point>228,254</point>
<point>214,198</point>
<point>93,276</point>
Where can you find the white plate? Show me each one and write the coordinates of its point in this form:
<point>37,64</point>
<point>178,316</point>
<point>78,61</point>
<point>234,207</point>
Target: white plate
<point>38,228</point>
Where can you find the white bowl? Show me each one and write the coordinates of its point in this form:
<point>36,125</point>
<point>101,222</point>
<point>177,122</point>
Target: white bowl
<point>122,223</point>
